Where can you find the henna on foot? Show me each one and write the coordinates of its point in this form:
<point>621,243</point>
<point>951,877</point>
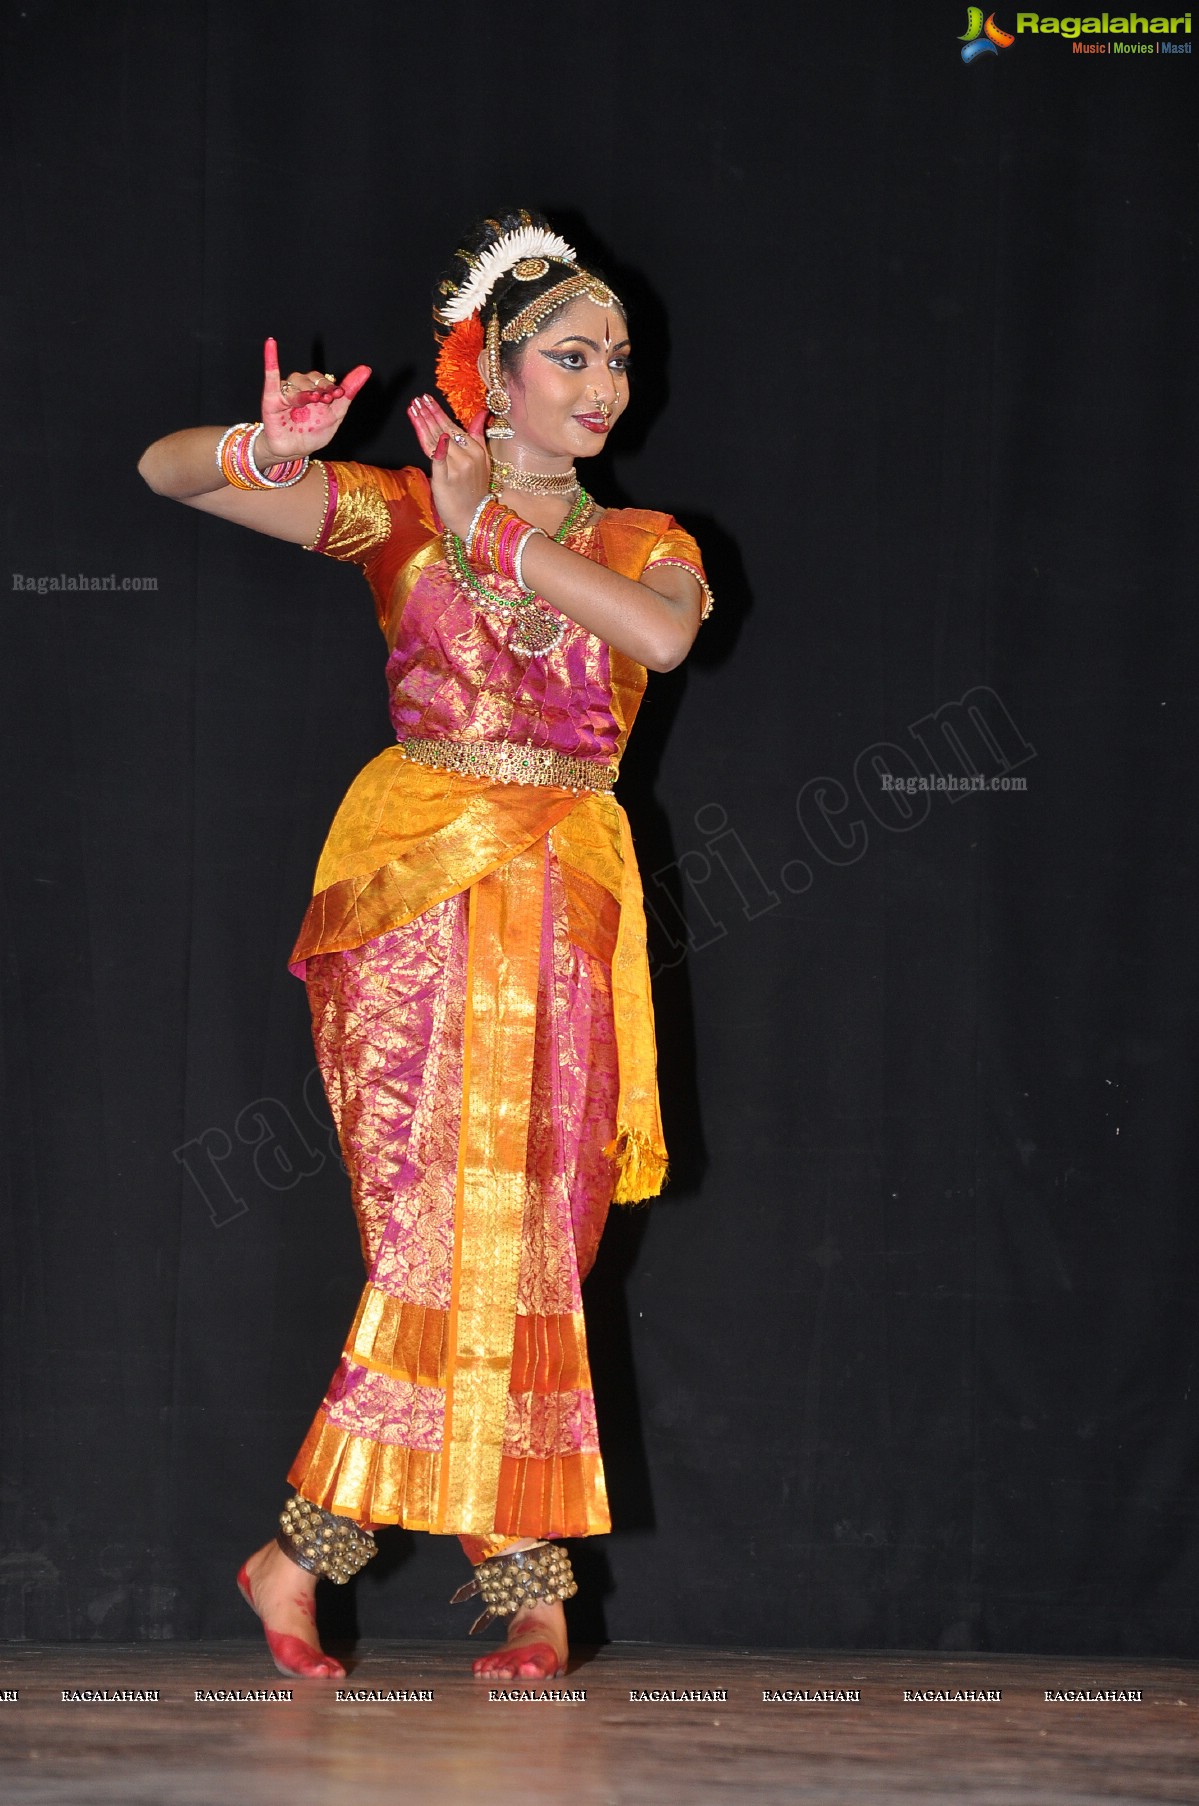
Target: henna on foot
<point>536,1649</point>
<point>284,1597</point>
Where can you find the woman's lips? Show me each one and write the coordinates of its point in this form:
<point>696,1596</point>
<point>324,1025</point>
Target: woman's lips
<point>595,423</point>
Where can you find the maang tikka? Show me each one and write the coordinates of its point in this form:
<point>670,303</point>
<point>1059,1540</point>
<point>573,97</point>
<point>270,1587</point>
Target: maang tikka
<point>498,398</point>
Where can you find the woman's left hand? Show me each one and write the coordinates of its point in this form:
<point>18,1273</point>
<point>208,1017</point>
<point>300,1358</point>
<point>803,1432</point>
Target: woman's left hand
<point>461,463</point>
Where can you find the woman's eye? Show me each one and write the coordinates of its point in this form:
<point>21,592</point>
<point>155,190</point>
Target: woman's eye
<point>576,360</point>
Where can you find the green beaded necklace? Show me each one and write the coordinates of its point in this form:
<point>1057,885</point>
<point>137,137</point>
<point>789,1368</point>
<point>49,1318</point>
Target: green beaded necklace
<point>490,598</point>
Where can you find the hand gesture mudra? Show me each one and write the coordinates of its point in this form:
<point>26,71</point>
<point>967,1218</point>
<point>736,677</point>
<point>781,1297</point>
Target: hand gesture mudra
<point>301,414</point>
<point>461,462</point>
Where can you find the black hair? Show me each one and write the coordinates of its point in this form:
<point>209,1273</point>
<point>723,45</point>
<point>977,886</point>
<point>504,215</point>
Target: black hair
<point>510,296</point>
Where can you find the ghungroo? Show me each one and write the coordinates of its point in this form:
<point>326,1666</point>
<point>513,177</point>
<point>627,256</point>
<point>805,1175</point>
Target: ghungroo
<point>321,1542</point>
<point>507,1583</point>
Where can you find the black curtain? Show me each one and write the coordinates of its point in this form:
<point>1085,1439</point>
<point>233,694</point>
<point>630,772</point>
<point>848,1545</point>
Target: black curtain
<point>905,1356</point>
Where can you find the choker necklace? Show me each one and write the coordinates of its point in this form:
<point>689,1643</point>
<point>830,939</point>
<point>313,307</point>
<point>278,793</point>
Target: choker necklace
<point>532,482</point>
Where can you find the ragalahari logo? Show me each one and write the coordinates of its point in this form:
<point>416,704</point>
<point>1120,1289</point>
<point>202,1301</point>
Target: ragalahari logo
<point>983,37</point>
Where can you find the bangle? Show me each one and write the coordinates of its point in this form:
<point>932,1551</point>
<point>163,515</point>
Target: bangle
<point>231,456</point>
<point>495,537</point>
<point>223,447</point>
<point>481,543</point>
<point>474,521</point>
<point>518,557</point>
<point>294,467</point>
<point>235,460</point>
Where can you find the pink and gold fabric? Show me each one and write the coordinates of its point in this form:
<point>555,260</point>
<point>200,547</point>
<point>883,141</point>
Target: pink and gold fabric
<point>476,966</point>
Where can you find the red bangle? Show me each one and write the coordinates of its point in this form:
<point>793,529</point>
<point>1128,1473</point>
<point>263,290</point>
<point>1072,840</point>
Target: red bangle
<point>496,538</point>
<point>235,461</point>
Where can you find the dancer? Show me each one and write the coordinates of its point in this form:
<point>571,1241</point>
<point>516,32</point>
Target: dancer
<point>474,951</point>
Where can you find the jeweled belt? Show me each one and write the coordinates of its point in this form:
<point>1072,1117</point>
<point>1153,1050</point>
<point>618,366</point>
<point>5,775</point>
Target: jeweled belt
<point>510,763</point>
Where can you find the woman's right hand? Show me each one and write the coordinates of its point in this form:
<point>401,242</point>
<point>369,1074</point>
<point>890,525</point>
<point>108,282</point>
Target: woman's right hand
<point>301,414</point>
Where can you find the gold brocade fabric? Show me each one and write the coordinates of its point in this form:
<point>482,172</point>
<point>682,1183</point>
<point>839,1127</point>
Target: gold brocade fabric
<point>361,523</point>
<point>504,936</point>
<point>470,1065</point>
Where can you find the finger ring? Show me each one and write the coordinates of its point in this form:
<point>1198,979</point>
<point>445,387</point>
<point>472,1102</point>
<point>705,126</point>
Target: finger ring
<point>329,377</point>
<point>459,438</point>
<point>283,388</point>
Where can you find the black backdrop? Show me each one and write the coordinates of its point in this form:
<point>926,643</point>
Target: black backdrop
<point>906,1355</point>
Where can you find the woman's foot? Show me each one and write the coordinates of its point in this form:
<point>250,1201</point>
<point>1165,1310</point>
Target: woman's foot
<point>536,1649</point>
<point>284,1596</point>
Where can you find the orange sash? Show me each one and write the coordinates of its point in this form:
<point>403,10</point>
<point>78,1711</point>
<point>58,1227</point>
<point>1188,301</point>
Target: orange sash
<point>407,836</point>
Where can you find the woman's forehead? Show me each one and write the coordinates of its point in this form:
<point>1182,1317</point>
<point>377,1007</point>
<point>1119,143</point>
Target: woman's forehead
<point>586,319</point>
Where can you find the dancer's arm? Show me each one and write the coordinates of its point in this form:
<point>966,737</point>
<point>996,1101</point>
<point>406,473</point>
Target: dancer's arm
<point>296,424</point>
<point>653,620</point>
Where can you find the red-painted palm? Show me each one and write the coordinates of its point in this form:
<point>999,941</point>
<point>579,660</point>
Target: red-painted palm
<point>301,414</point>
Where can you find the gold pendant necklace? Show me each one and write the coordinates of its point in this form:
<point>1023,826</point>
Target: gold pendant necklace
<point>531,630</point>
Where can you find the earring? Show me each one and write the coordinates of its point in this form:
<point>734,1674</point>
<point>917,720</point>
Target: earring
<point>498,399</point>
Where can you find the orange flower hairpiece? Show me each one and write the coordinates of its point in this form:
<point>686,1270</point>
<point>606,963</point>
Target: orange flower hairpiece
<point>457,373</point>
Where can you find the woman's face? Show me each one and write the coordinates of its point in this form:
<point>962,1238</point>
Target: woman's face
<point>571,383</point>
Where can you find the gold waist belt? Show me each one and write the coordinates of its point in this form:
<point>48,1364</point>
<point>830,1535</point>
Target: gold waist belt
<point>511,763</point>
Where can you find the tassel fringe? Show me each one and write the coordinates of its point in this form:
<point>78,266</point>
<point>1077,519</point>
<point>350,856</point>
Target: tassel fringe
<point>641,1170</point>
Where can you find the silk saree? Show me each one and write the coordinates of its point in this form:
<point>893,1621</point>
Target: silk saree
<point>475,960</point>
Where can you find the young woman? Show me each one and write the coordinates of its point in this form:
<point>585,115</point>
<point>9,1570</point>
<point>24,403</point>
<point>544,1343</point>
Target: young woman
<point>475,947</point>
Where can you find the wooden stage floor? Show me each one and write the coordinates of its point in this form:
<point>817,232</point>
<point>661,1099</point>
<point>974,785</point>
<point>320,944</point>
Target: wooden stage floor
<point>605,1749</point>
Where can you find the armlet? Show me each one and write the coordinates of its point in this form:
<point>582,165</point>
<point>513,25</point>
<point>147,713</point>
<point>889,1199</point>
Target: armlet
<point>687,565</point>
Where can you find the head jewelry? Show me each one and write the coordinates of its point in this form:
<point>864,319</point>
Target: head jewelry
<point>526,253</point>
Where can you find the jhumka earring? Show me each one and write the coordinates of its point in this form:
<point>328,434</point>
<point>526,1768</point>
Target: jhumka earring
<point>498,399</point>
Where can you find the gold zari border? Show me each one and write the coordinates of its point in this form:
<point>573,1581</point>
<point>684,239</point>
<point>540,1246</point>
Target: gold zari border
<point>376,1483</point>
<point>503,958</point>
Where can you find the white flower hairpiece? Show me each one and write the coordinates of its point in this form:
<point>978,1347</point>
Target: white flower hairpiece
<point>514,247</point>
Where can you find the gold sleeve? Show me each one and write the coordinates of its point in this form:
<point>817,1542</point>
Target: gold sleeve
<point>357,519</point>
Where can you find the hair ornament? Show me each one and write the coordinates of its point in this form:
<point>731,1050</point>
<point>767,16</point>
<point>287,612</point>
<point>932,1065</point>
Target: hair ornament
<point>457,373</point>
<point>532,318</point>
<point>523,245</point>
